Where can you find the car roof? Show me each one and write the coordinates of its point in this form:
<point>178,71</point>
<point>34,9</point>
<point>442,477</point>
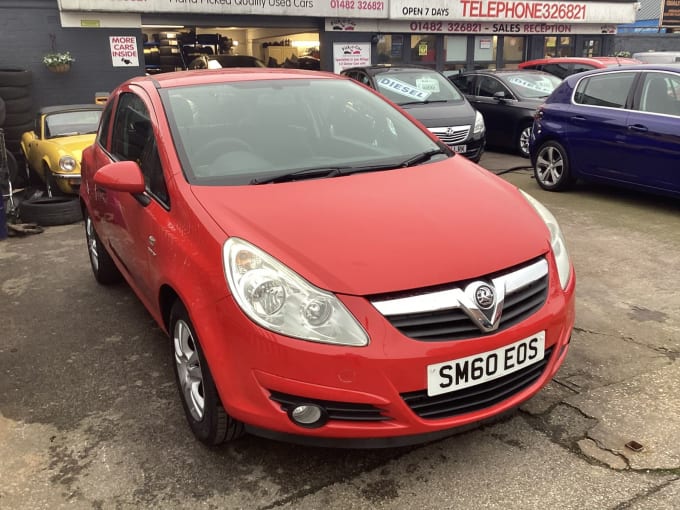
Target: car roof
<point>674,68</point>
<point>46,110</point>
<point>229,74</point>
<point>502,72</point>
<point>595,61</point>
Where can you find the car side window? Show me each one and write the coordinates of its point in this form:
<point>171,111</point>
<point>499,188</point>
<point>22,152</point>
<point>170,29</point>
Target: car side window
<point>464,83</point>
<point>660,94</point>
<point>103,134</point>
<point>560,70</point>
<point>488,86</point>
<point>579,68</point>
<point>133,140</point>
<point>610,90</point>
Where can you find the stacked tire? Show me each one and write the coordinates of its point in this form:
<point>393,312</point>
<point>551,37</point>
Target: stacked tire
<point>15,92</point>
<point>170,50</point>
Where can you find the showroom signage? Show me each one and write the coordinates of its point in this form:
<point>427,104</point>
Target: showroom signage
<point>124,51</point>
<point>466,27</point>
<point>346,55</point>
<point>347,8</point>
<point>514,10</point>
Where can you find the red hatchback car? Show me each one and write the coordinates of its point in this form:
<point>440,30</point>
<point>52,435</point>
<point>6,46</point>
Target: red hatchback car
<point>328,270</point>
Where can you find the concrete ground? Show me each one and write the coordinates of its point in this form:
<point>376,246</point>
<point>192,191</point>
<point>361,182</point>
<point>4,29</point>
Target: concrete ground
<point>90,417</point>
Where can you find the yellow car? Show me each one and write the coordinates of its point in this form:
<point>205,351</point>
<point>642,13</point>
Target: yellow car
<point>54,148</point>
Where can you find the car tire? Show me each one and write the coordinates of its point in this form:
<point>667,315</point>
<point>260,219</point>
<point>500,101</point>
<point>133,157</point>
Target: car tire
<point>103,267</point>
<point>551,170</point>
<point>50,211</point>
<point>522,140</point>
<point>207,418</point>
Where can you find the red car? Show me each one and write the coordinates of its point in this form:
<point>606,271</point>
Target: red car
<point>566,66</point>
<point>328,270</point>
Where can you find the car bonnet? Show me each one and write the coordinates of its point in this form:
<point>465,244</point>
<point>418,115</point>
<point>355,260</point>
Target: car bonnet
<point>385,231</point>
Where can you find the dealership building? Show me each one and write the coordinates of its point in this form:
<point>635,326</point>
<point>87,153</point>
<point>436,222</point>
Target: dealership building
<point>117,39</point>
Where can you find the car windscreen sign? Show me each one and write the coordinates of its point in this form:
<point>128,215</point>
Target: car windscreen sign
<point>540,85</point>
<point>428,84</point>
<point>402,88</point>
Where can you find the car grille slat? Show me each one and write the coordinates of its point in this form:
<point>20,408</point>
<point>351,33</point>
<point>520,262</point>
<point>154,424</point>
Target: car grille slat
<point>476,397</point>
<point>523,300</point>
<point>452,135</point>
<point>344,411</point>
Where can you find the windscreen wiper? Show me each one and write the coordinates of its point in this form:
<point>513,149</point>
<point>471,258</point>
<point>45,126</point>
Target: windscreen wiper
<point>427,101</point>
<point>422,157</point>
<point>305,173</point>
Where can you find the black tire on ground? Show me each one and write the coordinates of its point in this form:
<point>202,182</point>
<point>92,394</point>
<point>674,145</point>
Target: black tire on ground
<point>3,111</point>
<point>210,423</point>
<point>14,92</point>
<point>168,51</point>
<point>14,132</point>
<point>49,211</point>
<point>167,35</point>
<point>103,267</point>
<point>15,77</point>
<point>19,105</point>
<point>552,170</point>
<point>18,119</point>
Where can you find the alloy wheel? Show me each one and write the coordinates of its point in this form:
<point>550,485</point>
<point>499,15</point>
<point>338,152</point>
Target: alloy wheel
<point>550,166</point>
<point>189,371</point>
<point>92,247</point>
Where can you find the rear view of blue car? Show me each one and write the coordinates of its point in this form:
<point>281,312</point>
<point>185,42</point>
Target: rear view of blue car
<point>619,126</point>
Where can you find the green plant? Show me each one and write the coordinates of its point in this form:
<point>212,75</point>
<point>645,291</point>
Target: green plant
<point>58,58</point>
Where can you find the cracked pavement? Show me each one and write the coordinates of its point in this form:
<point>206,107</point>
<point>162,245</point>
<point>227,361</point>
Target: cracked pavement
<point>90,417</point>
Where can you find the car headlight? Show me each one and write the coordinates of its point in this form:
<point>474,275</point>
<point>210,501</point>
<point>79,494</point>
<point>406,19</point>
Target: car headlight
<point>68,163</point>
<point>479,123</point>
<point>559,246</point>
<point>278,299</point>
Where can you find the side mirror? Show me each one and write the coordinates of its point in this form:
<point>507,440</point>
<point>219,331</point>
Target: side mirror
<point>123,176</point>
<point>500,95</point>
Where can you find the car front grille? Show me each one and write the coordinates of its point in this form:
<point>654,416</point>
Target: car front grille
<point>453,135</point>
<point>476,397</point>
<point>344,411</point>
<point>436,314</point>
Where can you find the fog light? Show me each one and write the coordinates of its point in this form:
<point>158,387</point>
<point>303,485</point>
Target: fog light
<point>308,415</point>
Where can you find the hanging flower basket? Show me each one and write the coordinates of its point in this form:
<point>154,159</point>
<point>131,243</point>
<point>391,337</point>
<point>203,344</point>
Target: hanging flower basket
<point>60,68</point>
<point>58,62</point>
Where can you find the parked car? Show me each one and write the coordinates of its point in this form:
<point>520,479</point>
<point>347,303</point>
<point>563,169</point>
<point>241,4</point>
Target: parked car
<point>429,97</point>
<point>566,66</point>
<point>508,99</point>
<point>617,125</point>
<point>316,257</point>
<point>220,61</point>
<point>658,57</point>
<point>54,147</point>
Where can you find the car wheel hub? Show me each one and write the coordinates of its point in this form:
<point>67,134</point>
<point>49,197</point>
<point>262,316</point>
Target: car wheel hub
<point>92,243</point>
<point>189,372</point>
<point>549,166</point>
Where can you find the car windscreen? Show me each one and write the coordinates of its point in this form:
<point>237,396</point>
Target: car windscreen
<point>250,131</point>
<point>532,85</point>
<point>72,123</point>
<point>417,86</point>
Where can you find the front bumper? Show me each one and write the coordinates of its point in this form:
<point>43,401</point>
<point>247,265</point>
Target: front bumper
<point>255,369</point>
<point>67,183</point>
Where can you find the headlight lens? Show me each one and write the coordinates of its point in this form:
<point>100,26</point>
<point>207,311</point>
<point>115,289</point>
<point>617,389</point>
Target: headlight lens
<point>68,163</point>
<point>278,299</point>
<point>479,123</point>
<point>559,246</point>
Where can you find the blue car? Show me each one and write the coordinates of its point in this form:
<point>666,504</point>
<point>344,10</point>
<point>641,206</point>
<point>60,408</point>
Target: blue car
<point>617,125</point>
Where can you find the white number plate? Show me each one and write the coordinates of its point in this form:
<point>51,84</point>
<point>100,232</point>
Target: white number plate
<point>459,148</point>
<point>461,373</point>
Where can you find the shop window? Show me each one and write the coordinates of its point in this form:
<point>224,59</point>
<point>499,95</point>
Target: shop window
<point>423,49</point>
<point>485,51</point>
<point>558,46</point>
<point>390,49</point>
<point>455,52</point>
<point>513,51</point>
<point>591,48</point>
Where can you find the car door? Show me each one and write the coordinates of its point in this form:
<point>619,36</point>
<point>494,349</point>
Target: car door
<point>498,114</point>
<point>133,223</point>
<point>653,135</point>
<point>597,127</point>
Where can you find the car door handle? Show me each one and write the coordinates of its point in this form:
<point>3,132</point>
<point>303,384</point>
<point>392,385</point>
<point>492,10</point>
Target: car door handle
<point>638,127</point>
<point>578,117</point>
